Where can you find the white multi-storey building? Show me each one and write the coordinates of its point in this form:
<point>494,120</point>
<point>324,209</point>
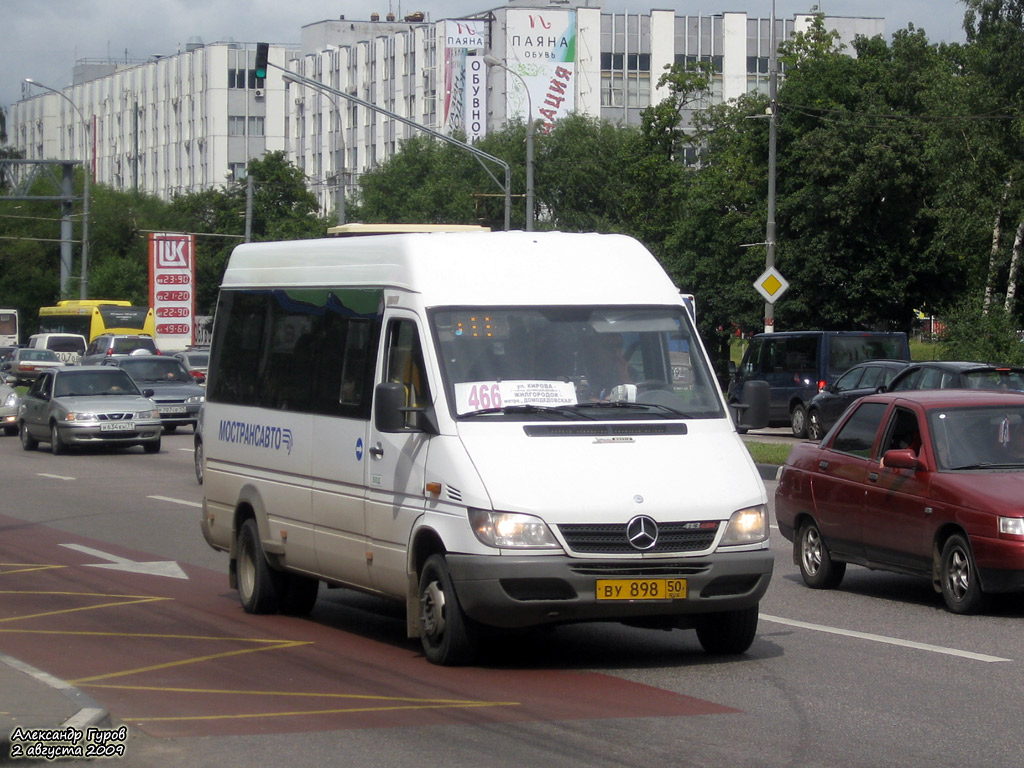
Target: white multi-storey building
<point>191,121</point>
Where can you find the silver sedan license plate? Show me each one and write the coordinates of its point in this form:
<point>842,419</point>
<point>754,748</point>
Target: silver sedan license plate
<point>117,426</point>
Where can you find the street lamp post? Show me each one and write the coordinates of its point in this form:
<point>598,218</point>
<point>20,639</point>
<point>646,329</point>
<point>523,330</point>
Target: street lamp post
<point>288,75</point>
<point>83,283</point>
<point>496,62</point>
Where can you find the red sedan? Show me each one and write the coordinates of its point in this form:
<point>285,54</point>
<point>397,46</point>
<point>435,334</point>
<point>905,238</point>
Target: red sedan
<point>929,483</point>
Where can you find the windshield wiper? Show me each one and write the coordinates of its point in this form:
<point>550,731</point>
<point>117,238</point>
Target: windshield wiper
<point>626,404</point>
<point>991,465</point>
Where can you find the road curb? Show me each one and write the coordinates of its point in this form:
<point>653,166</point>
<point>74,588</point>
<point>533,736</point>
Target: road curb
<point>19,679</point>
<point>769,471</point>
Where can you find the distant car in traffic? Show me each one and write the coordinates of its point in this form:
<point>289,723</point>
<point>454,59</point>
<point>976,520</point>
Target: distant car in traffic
<point>827,406</point>
<point>108,344</point>
<point>925,483</point>
<point>943,374</point>
<point>196,362</point>
<point>24,364</point>
<point>87,405</point>
<point>169,385</point>
<point>9,401</point>
<point>69,347</point>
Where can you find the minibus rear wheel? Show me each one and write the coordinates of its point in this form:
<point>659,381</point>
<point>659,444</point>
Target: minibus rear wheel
<point>259,586</point>
<point>447,634</point>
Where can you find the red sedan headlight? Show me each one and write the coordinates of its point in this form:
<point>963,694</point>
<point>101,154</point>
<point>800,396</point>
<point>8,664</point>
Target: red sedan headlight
<point>1011,526</point>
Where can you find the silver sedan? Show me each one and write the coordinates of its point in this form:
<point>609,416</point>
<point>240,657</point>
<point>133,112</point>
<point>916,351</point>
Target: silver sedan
<point>87,405</point>
<point>9,401</point>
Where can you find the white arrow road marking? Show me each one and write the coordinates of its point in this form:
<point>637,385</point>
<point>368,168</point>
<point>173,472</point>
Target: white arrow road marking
<point>167,568</point>
<point>183,502</point>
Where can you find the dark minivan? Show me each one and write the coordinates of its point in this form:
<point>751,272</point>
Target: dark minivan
<point>799,364</point>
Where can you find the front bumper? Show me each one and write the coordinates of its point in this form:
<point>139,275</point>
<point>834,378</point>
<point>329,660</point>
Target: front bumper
<point>92,433</point>
<point>178,414</point>
<point>520,591</point>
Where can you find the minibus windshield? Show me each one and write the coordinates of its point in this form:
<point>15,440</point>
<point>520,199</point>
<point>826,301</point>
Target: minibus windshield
<point>573,363</point>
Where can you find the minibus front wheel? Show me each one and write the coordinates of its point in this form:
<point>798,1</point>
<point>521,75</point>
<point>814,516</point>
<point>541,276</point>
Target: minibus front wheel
<point>447,634</point>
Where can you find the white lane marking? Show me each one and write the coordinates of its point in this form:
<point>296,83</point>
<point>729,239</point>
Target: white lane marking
<point>884,639</point>
<point>54,477</point>
<point>183,502</point>
<point>167,568</point>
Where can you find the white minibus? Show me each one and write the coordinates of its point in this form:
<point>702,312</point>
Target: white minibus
<point>500,429</point>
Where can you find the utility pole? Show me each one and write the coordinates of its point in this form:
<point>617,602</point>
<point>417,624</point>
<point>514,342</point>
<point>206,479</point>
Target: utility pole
<point>773,104</point>
<point>88,160</point>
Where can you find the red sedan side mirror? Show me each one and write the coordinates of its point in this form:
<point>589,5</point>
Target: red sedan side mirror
<point>901,458</point>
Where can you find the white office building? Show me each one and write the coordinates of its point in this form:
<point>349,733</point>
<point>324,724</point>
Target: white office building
<point>190,121</point>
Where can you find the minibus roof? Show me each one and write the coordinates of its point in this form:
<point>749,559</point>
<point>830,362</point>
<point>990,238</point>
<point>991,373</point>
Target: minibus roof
<point>465,268</point>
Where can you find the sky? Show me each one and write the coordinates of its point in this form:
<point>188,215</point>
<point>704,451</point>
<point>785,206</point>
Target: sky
<point>42,39</point>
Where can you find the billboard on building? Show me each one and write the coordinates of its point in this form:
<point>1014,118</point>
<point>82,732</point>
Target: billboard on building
<point>541,48</point>
<point>172,284</point>
<point>464,106</point>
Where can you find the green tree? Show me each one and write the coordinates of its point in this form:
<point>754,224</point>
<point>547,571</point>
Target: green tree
<point>282,209</point>
<point>427,181</point>
<point>972,333</point>
<point>994,61</point>
<point>854,187</point>
<point>583,175</point>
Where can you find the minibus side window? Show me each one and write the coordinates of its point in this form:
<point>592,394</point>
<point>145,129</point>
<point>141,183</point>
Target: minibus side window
<point>405,364</point>
<point>300,351</point>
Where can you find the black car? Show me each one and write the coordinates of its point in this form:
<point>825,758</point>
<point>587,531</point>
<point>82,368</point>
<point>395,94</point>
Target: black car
<point>862,379</point>
<point>958,375</point>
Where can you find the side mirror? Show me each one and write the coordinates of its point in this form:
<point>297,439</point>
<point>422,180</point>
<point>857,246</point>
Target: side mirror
<point>147,393</point>
<point>752,410</point>
<point>901,458</point>
<point>390,411</point>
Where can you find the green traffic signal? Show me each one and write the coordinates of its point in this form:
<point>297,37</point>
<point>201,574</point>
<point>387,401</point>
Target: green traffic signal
<point>262,52</point>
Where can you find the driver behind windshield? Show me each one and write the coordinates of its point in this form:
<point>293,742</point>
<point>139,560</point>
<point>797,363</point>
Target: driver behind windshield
<point>605,363</point>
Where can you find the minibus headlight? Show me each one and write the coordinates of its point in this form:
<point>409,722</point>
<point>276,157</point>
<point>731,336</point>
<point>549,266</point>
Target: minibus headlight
<point>746,526</point>
<point>509,529</point>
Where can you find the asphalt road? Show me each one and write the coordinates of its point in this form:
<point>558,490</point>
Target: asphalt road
<point>876,673</point>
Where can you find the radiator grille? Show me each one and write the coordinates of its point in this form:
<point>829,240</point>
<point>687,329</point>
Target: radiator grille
<point>611,539</point>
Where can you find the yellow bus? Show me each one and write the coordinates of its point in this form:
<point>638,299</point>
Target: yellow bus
<point>91,317</point>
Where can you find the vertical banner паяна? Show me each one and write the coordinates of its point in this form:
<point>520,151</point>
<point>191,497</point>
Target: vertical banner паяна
<point>172,283</point>
<point>541,47</point>
<point>464,107</point>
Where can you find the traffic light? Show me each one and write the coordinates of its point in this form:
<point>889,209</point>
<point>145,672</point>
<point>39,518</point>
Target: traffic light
<point>262,51</point>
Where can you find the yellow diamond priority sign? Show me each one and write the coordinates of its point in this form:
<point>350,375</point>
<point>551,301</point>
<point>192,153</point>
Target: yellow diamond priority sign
<point>771,284</point>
